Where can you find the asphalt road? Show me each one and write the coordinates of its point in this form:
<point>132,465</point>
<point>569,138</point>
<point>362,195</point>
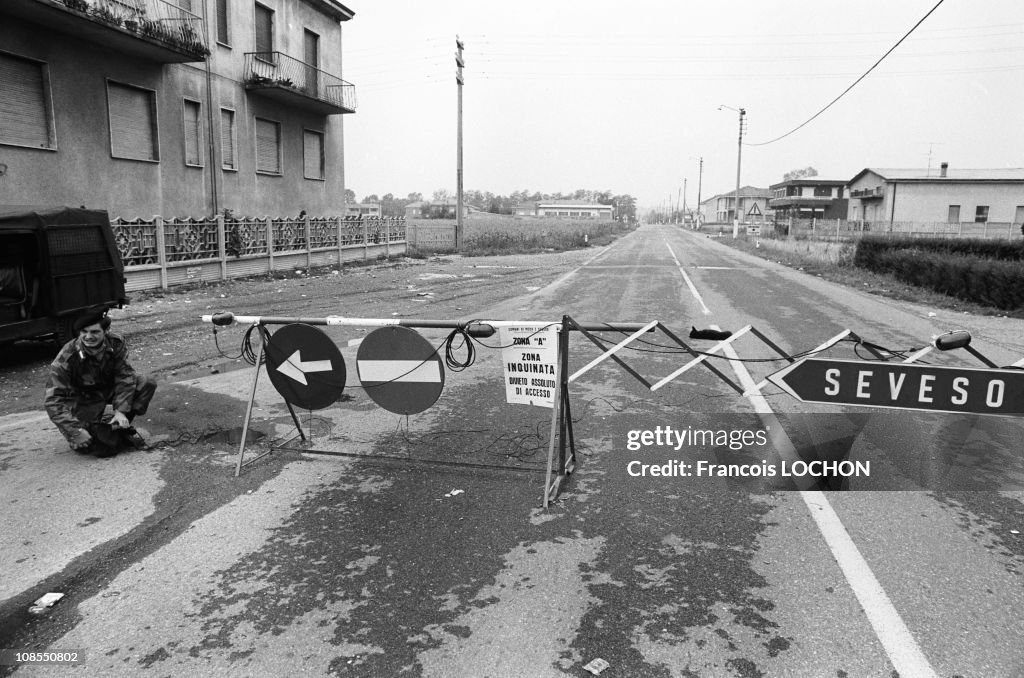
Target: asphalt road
<point>426,549</point>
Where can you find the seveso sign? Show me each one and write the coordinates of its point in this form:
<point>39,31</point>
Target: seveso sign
<point>529,357</point>
<point>905,386</point>
<point>305,366</point>
<point>400,370</point>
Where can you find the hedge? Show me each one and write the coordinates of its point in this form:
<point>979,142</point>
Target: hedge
<point>954,268</point>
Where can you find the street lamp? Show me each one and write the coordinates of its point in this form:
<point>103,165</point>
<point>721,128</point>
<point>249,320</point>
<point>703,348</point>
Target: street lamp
<point>739,158</point>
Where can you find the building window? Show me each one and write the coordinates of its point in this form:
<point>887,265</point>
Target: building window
<point>26,117</point>
<point>313,154</point>
<point>822,191</point>
<point>223,35</point>
<point>227,139</point>
<point>1018,217</point>
<point>193,133</point>
<point>954,215</point>
<point>981,214</point>
<point>268,147</point>
<point>264,29</point>
<point>133,123</point>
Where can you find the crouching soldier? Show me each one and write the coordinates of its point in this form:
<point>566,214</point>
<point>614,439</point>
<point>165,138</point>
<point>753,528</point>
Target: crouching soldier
<point>90,373</point>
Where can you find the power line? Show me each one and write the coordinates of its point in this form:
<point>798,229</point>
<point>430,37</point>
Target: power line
<point>865,74</point>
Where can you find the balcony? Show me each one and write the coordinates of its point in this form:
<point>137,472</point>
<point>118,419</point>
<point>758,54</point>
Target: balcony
<point>155,30</point>
<point>799,200</point>
<point>296,83</point>
<point>875,193</point>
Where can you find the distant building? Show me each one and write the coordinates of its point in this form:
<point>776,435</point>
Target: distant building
<point>566,209</point>
<point>720,209</point>
<point>941,196</point>
<point>808,198</point>
<point>433,209</point>
<point>365,209</point>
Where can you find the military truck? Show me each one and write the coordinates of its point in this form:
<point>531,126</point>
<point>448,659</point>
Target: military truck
<point>56,264</point>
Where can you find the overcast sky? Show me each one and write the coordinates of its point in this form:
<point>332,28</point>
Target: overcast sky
<point>568,94</point>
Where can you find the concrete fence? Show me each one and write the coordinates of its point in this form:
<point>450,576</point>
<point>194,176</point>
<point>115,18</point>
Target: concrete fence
<point>159,253</point>
<point>432,235</point>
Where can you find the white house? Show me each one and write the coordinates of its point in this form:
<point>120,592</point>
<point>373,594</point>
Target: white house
<point>937,196</point>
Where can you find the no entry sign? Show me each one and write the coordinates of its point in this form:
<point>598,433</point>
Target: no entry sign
<point>305,366</point>
<point>400,370</point>
<point>905,386</point>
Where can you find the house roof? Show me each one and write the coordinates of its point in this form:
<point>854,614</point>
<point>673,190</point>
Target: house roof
<point>745,192</point>
<point>809,181</point>
<point>952,174</point>
<point>333,9</point>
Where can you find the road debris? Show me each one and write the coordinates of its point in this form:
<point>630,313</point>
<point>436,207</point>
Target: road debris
<point>45,602</point>
<point>596,666</point>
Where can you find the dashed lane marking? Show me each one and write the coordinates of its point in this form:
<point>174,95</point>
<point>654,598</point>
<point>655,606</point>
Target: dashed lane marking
<point>689,283</point>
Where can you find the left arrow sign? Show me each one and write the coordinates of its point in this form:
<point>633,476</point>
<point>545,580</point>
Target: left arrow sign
<point>294,368</point>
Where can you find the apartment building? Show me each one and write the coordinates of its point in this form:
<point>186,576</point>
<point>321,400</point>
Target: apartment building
<point>174,107</point>
<point>810,198</point>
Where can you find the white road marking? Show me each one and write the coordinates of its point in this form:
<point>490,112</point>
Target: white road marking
<point>899,644</point>
<point>689,283</point>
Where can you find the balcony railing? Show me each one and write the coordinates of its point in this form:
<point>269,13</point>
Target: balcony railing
<point>867,193</point>
<point>287,79</point>
<point>153,29</point>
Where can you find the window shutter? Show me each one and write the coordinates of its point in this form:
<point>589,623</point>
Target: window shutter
<point>264,29</point>
<point>227,138</point>
<point>24,116</point>
<point>193,134</point>
<point>222,22</point>
<point>313,155</point>
<point>268,142</point>
<point>132,123</point>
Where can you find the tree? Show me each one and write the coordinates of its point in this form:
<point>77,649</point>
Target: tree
<point>414,197</point>
<point>800,173</point>
<point>371,199</point>
<point>442,195</point>
<point>350,196</point>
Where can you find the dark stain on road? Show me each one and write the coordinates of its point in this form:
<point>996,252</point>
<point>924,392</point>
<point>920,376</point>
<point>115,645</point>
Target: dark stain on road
<point>192,488</point>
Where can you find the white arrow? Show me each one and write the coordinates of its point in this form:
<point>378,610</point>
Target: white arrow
<point>296,369</point>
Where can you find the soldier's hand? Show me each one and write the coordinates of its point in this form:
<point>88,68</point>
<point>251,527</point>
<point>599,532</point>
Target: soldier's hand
<point>81,440</point>
<point>119,420</point>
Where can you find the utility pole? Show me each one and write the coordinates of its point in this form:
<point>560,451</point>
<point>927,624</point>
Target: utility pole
<point>684,201</point>
<point>460,233</point>
<point>739,159</point>
<point>700,178</point>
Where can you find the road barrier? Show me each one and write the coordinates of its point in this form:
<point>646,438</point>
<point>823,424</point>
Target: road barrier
<point>403,373</point>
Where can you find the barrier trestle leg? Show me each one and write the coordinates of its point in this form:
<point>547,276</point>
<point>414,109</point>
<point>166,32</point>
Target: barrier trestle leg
<point>561,421</point>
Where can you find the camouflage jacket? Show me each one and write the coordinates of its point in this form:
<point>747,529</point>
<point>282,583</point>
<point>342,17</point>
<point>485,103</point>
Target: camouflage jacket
<point>78,378</point>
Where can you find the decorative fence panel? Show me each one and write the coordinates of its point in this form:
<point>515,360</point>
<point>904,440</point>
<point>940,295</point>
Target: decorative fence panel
<point>160,253</point>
